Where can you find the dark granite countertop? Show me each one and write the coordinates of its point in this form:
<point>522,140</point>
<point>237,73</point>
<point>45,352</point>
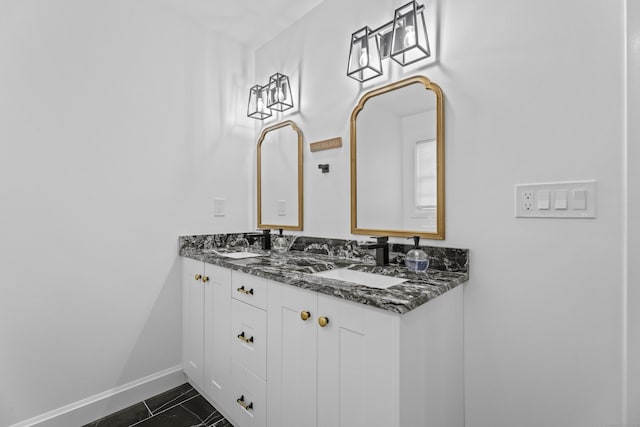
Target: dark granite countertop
<point>295,268</point>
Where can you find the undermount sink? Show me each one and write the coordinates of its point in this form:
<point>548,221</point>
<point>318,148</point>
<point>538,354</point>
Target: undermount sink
<point>235,255</point>
<point>361,278</point>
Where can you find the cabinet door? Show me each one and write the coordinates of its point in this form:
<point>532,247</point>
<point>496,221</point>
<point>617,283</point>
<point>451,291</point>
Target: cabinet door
<point>217,329</point>
<point>193,320</point>
<point>356,368</point>
<point>291,357</point>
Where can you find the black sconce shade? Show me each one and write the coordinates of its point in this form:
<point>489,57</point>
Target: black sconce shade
<point>279,93</point>
<point>410,42</point>
<point>364,55</point>
<point>258,108</point>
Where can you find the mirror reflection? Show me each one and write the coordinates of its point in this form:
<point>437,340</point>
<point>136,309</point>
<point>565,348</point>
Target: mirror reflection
<point>279,175</point>
<point>397,177</point>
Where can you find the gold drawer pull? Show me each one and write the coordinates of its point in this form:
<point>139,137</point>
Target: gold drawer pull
<point>197,277</point>
<point>305,315</point>
<point>244,291</point>
<point>323,321</point>
<point>245,339</point>
<point>246,406</point>
<point>205,279</point>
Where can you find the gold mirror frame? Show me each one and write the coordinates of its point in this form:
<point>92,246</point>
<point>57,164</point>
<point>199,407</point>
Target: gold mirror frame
<point>263,135</point>
<point>428,85</point>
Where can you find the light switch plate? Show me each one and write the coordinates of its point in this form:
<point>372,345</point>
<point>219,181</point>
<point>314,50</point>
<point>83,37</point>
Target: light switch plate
<point>579,199</point>
<point>282,208</point>
<point>561,199</point>
<point>219,207</point>
<point>543,199</point>
<point>573,199</point>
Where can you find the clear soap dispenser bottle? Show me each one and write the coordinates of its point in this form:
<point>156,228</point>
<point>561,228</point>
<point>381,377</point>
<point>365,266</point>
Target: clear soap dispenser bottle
<point>280,244</point>
<point>416,259</point>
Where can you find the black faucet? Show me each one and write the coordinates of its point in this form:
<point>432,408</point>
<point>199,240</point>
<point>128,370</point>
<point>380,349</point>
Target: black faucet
<point>382,250</point>
<point>265,236</point>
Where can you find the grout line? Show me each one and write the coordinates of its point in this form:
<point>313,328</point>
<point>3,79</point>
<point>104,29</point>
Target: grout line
<point>178,404</point>
<point>212,415</point>
<point>175,399</point>
<point>195,415</point>
<point>165,410</point>
<point>203,423</point>
<point>208,418</point>
<point>149,410</point>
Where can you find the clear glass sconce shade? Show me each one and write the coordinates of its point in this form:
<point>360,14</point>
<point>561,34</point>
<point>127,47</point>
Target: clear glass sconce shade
<point>409,42</point>
<point>364,55</point>
<point>279,93</point>
<point>258,108</point>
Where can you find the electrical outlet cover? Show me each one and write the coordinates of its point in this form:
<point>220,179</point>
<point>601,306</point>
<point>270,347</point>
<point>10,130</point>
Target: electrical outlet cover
<point>572,199</point>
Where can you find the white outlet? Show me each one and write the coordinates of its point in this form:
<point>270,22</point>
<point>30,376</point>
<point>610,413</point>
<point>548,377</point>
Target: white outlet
<point>575,199</point>
<point>527,201</point>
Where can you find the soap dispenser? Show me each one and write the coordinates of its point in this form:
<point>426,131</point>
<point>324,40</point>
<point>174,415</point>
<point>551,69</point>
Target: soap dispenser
<point>416,259</point>
<point>280,244</point>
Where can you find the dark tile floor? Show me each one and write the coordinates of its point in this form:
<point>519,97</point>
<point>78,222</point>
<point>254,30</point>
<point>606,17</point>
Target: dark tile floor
<point>182,406</point>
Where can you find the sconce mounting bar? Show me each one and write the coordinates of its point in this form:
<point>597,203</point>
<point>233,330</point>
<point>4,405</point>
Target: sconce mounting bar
<point>388,26</point>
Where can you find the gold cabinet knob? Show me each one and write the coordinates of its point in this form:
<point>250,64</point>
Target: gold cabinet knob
<point>198,277</point>
<point>305,315</point>
<point>205,279</point>
<point>323,321</point>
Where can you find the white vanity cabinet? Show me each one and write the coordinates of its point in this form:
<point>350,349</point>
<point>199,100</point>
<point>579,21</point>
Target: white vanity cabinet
<point>206,303</point>
<point>329,361</point>
<point>217,351</point>
<point>366,367</point>
<point>257,349</point>
<point>249,350</point>
<point>292,356</point>
<point>193,320</point>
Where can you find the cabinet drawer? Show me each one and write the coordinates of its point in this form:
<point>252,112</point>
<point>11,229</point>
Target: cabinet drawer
<point>250,289</point>
<point>249,328</point>
<point>249,408</point>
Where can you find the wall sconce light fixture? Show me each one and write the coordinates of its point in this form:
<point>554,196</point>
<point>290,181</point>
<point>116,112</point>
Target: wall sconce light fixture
<point>276,95</point>
<point>258,103</point>
<point>404,39</point>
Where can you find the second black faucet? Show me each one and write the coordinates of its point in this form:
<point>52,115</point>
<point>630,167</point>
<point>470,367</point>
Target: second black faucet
<point>265,236</point>
<point>382,250</point>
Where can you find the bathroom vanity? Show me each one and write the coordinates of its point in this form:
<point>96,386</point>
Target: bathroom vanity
<point>270,343</point>
<point>321,334</point>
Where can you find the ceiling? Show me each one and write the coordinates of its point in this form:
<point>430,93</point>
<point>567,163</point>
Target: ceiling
<point>252,22</point>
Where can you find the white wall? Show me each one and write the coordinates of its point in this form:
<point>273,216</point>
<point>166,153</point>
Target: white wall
<point>118,125</point>
<point>633,211</point>
<point>533,92</point>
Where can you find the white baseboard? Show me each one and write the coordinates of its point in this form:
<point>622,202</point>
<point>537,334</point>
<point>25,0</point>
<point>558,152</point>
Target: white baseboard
<point>97,406</point>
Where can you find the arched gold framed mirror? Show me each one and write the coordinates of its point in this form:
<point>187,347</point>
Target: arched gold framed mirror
<point>397,161</point>
<point>279,173</point>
